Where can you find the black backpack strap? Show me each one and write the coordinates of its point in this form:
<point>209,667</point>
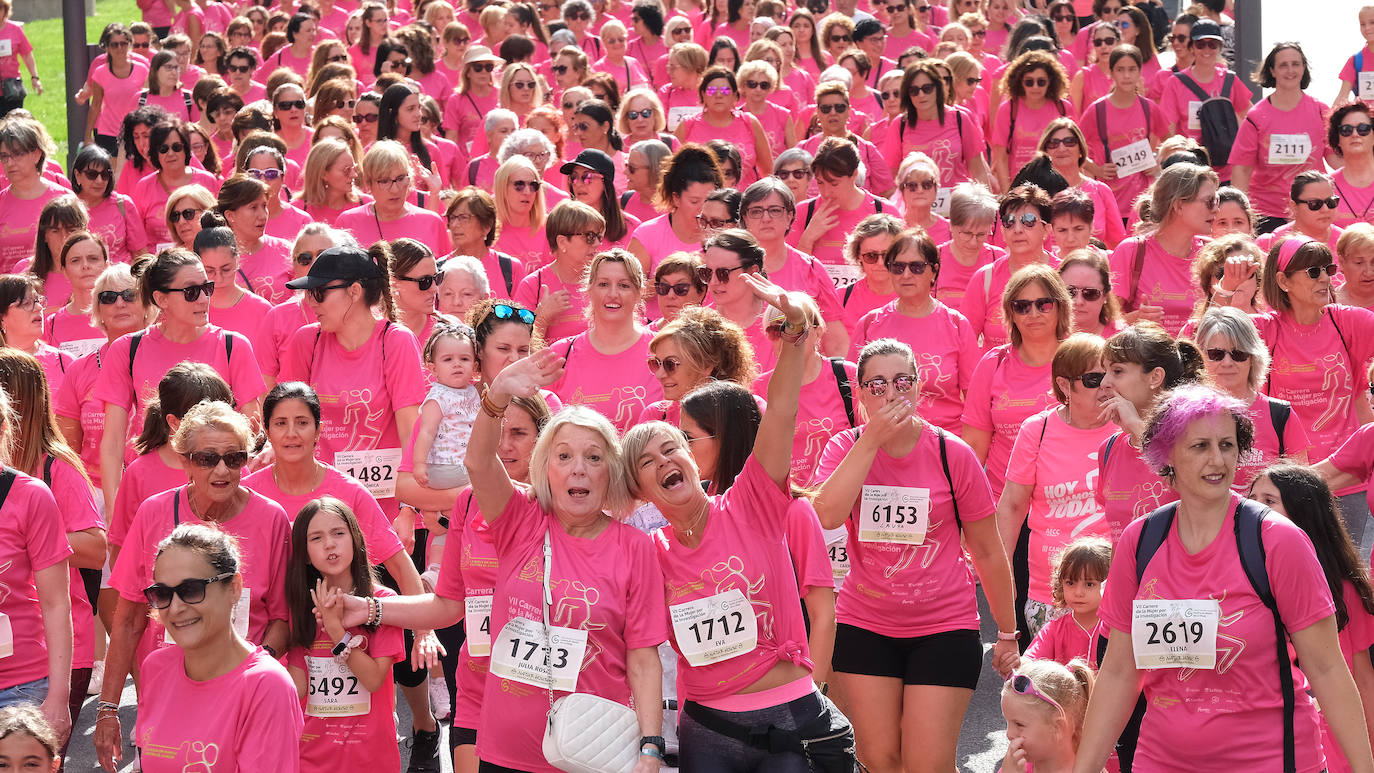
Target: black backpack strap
<point>1279,411</point>
<point>1249,522</point>
<point>133,349</point>
<point>228,347</point>
<point>567,356</point>
<point>625,199</point>
<point>846,393</point>
<point>1226,85</point>
<point>176,507</point>
<point>1137,265</point>
<point>1187,80</point>
<point>1106,452</point>
<point>472,172</point>
<point>7,478</point>
<point>810,212</point>
<point>1152,535</point>
<point>848,291</point>
<point>944,465</point>
<point>186,98</point>
<point>47,471</point>
<point>143,98</point>
<point>877,205</point>
<point>507,271</point>
<point>1011,129</point>
<point>1101,114</point>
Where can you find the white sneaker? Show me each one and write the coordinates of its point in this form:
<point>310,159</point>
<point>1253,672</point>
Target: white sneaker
<point>438,698</point>
<point>97,677</point>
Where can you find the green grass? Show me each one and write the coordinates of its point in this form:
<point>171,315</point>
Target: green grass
<point>50,55</point>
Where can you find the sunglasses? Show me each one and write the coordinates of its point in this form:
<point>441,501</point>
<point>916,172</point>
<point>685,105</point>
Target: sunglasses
<point>668,364</point>
<point>592,238</point>
<point>896,8</point>
<point>317,293</point>
<point>973,81</point>
<point>578,17</point>
<point>1207,45</point>
<point>582,126</point>
<point>345,103</point>
<point>719,91</point>
<point>522,85</point>
<point>585,177</point>
<point>265,175</point>
<point>1315,272</point>
<point>680,289</point>
<point>1105,41</point>
<point>175,147</point>
<point>1035,83</point>
<point>635,115</point>
<point>878,386</point>
<point>926,88</point>
<point>916,267</point>
<point>305,258</point>
<point>795,174</point>
<point>1363,129</point>
<point>833,107</point>
<point>1315,205</point>
<point>193,292</point>
<point>1022,306</point>
<point>176,215</point>
<point>521,186</point>
<point>209,460</point>
<point>1089,294</point>
<point>240,68</point>
<point>191,591</point>
<point>923,185</point>
<point>366,118</point>
<point>713,223</point>
<point>722,275</point>
<point>841,39</point>
<point>1068,142</point>
<point>559,69</point>
<point>482,66</point>
<point>980,33</point>
<point>1092,379</point>
<point>108,297</point>
<point>1063,17</point>
<point>118,44</point>
<point>765,85</point>
<point>1217,355</point>
<point>1178,38</point>
<point>425,282</point>
<point>886,95</point>
<point>340,59</point>
<point>1027,220</point>
<point>506,311</point>
<point>97,174</point>
<point>291,104</point>
<point>1023,685</point>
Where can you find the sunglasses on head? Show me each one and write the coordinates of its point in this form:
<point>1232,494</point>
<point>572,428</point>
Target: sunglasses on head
<point>175,147</point>
<point>1363,129</point>
<point>191,591</point>
<point>1315,205</point>
<point>482,66</point>
<point>878,386</point>
<point>424,282</point>
<point>1023,306</point>
<point>722,275</point>
<point>1023,685</point>
<point>506,311</point>
<point>833,107</point>
<point>1217,355</point>
<point>668,364</point>
<point>1026,219</point>
<point>108,297</point>
<point>1092,379</point>
<point>680,289</point>
<point>192,293</point>
<point>1089,294</point>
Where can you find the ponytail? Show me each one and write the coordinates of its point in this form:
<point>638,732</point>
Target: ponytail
<point>377,292</point>
<point>1190,363</point>
<point>1082,674</point>
<point>613,136</point>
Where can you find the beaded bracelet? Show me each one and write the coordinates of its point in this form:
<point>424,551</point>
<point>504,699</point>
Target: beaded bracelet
<point>489,407</point>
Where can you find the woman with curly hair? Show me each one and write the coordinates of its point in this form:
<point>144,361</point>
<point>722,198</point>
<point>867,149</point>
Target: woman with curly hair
<point>698,347</point>
<point>1037,89</point>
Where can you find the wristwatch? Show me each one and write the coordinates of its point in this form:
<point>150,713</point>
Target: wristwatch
<point>1004,636</point>
<point>657,742</point>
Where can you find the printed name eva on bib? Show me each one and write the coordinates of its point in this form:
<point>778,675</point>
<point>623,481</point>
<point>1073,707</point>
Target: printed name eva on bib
<point>1175,633</point>
<point>715,628</point>
<point>334,690</point>
<point>898,514</point>
<point>375,469</point>
<point>477,621</point>
<point>524,654</point>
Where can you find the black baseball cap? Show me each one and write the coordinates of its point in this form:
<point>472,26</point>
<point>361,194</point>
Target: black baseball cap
<point>1205,29</point>
<point>594,160</point>
<point>335,263</point>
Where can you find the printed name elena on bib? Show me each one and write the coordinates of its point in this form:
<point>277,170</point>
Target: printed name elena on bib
<point>1289,148</point>
<point>894,514</point>
<point>1175,633</point>
<point>525,654</point>
<point>477,620</point>
<point>715,628</point>
<point>334,690</point>
<point>375,469</point>
<point>1133,158</point>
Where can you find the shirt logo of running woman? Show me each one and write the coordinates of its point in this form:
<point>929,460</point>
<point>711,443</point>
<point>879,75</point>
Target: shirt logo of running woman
<point>729,575</point>
<point>363,424</point>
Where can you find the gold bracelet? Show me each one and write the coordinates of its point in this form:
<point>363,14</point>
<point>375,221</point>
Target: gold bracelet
<point>490,408</point>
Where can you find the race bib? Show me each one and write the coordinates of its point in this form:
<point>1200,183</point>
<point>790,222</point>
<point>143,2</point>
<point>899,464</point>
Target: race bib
<point>240,617</point>
<point>1289,148</point>
<point>1366,82</point>
<point>523,654</point>
<point>843,275</point>
<point>898,514</point>
<point>677,115</point>
<point>1175,634</point>
<point>79,349</point>
<point>715,628</point>
<point>6,47</point>
<point>375,469</point>
<point>1133,158</point>
<point>6,636</point>
<point>941,205</point>
<point>1194,123</point>
<point>477,619</point>
<point>839,561</point>
<point>164,246</point>
<point>334,690</point>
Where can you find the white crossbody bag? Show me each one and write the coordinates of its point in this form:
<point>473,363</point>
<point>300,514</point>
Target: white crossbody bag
<point>586,733</point>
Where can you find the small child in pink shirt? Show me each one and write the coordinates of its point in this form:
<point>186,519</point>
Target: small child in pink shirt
<point>1077,589</point>
<point>450,408</point>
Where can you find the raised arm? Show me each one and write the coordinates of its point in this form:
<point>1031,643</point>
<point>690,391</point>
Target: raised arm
<point>773,444</point>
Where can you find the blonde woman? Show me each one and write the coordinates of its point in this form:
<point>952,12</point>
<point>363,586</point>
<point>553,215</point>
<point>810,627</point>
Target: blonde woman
<point>520,208</point>
<point>391,214</point>
<point>330,182</point>
<point>522,90</point>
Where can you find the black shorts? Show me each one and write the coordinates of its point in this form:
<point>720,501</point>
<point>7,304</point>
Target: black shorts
<point>461,736</point>
<point>947,659</point>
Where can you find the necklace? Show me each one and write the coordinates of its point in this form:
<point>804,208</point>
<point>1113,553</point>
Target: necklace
<point>690,531</point>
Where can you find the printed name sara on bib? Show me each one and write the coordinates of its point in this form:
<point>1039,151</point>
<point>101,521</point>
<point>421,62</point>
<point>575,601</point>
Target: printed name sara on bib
<point>1175,633</point>
<point>525,654</point>
<point>477,619</point>
<point>715,628</point>
<point>1289,148</point>
<point>1133,158</point>
<point>894,514</point>
<point>374,468</point>
<point>334,690</point>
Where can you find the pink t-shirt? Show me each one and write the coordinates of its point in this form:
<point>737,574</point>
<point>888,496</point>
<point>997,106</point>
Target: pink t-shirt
<point>247,719</point>
<point>1030,124</point>
<point>144,477</point>
<point>119,224</point>
<point>12,32</point>
<point>31,539</point>
<point>1062,507</point>
<point>246,317</point>
<point>1355,207</point>
<point>175,104</point>
<point>1261,136</point>
<point>282,59</point>
<point>76,501</point>
<point>378,534</point>
<point>1004,393</point>
<point>1356,636</point>
<point>1356,455</point>
<point>657,237</point>
<point>1107,224</point>
<point>951,144</point>
<point>1124,127</point>
<point>281,323</point>
<point>19,227</point>
<point>1165,280</point>
<point>806,544</point>
<point>1063,639</point>
<point>1320,369</point>
<point>857,300</point>
<point>131,385</point>
<point>571,321</point>
<point>421,224</point>
<point>268,270</point>
<point>68,331</point>
<point>803,273</point>
<point>742,549</point>
<point>829,247</point>
<point>1266,451</point>
<point>1240,699</point>
<point>617,386</point>
<point>529,245</point>
<point>289,221</point>
<point>264,536</point>
<point>952,285</point>
<point>982,303</point>
<point>150,197</point>
<point>946,350</point>
<point>491,261</point>
<point>1180,104</point>
<point>1126,487</point>
<point>468,571</point>
<point>362,742</point>
<point>75,400</point>
<point>609,586</point>
<point>119,96</point>
<point>820,414</point>
<point>904,590</point>
<point>879,171</point>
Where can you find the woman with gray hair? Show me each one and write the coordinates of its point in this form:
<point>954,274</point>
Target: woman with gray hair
<point>465,283</point>
<point>643,172</point>
<point>972,219</point>
<point>1237,363</point>
<point>27,148</point>
<point>532,144</point>
<point>793,167</point>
